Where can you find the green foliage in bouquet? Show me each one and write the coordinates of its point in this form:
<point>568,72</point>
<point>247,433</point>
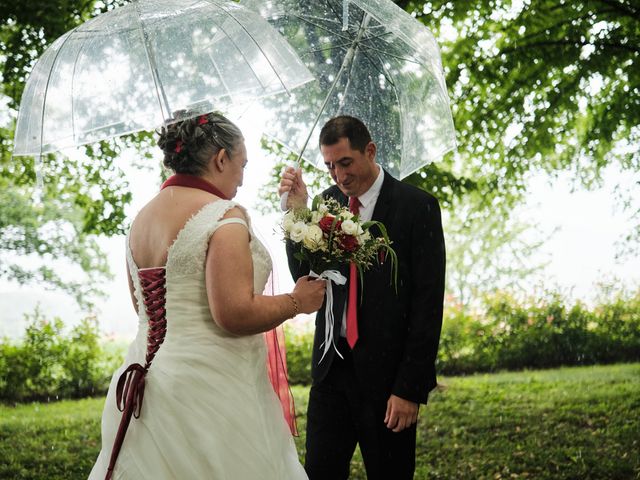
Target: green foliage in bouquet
<point>329,235</point>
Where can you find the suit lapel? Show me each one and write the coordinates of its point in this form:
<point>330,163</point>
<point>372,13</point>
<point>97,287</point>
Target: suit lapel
<point>385,199</point>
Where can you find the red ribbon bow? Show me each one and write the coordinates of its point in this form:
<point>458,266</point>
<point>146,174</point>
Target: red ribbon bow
<point>129,394</point>
<point>130,389</point>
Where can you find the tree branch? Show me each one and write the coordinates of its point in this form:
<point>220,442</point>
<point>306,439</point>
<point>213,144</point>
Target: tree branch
<point>572,43</point>
<point>403,4</point>
<point>621,7</point>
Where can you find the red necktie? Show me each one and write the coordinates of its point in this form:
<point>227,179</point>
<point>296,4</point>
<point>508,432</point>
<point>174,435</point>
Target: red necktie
<point>352,303</point>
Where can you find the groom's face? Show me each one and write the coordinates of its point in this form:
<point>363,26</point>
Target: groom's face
<point>353,171</point>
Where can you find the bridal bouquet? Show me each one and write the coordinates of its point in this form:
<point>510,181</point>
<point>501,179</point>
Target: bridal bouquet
<point>329,235</point>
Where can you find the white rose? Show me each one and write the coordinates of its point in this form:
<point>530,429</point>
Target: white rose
<point>350,227</point>
<point>288,221</point>
<point>347,215</point>
<point>316,216</point>
<point>313,238</point>
<point>323,209</point>
<point>298,231</point>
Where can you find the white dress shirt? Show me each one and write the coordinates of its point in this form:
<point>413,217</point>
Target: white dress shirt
<point>367,204</point>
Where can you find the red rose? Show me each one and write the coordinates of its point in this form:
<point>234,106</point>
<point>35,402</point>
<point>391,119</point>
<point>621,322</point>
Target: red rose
<point>326,222</point>
<point>348,243</point>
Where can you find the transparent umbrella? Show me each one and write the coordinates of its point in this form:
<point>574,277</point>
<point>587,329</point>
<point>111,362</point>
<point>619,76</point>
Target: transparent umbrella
<point>371,60</point>
<point>128,69</point>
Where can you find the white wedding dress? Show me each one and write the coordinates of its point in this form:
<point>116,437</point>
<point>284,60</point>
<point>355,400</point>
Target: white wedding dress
<point>209,410</point>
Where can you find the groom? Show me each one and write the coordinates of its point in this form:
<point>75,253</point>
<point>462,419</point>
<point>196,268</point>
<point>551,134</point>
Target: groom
<point>372,395</point>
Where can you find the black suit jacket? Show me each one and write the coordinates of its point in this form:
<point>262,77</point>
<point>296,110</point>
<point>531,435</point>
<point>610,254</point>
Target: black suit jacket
<point>398,328</point>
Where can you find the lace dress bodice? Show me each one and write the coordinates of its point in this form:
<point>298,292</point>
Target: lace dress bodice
<point>188,312</point>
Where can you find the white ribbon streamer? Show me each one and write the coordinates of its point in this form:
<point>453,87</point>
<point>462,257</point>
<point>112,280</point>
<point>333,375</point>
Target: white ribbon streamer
<point>332,276</point>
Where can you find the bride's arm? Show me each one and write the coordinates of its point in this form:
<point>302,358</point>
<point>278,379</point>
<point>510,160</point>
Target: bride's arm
<point>229,282</point>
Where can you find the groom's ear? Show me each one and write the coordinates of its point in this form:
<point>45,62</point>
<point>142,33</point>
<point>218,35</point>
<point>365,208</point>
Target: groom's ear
<point>370,151</point>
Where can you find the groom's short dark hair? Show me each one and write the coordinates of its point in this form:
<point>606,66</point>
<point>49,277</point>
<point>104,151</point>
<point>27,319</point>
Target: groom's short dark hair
<point>348,127</point>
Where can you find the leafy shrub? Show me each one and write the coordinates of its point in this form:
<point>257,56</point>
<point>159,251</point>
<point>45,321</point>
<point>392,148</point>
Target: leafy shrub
<point>508,334</point>
<point>299,345</point>
<point>540,334</point>
<point>49,364</point>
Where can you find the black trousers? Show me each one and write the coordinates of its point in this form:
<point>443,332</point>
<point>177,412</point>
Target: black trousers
<point>340,415</point>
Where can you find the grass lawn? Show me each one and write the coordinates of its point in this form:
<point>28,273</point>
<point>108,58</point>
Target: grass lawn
<point>570,423</point>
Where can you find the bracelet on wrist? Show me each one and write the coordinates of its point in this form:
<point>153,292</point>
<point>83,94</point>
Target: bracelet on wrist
<point>296,307</point>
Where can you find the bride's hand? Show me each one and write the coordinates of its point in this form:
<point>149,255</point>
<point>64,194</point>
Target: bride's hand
<point>309,294</point>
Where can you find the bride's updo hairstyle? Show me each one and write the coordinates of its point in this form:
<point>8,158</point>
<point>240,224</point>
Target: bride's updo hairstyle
<point>189,143</point>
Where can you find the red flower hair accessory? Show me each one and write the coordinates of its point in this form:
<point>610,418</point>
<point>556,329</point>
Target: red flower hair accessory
<point>178,146</point>
<point>202,120</point>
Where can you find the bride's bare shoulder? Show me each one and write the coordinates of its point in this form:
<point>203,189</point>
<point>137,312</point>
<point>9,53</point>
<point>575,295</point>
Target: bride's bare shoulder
<point>173,207</point>
<point>237,211</point>
<point>158,223</point>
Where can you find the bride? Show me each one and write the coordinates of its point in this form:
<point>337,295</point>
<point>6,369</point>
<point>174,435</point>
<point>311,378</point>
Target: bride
<point>195,272</point>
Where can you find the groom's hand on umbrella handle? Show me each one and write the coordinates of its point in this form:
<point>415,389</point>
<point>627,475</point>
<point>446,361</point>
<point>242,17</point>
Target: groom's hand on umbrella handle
<point>400,414</point>
<point>294,187</point>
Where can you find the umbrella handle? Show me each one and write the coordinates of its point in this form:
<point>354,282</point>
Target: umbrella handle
<point>285,196</point>
<point>283,201</point>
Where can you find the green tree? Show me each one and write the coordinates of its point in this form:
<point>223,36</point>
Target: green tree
<point>489,253</point>
<point>540,86</point>
<point>535,85</point>
<point>82,197</point>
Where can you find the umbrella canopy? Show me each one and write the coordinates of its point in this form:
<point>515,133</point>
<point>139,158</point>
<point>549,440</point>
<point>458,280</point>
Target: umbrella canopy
<point>371,60</point>
<point>128,69</point>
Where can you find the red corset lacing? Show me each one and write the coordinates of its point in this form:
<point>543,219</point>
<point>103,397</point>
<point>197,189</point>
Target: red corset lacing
<point>130,389</point>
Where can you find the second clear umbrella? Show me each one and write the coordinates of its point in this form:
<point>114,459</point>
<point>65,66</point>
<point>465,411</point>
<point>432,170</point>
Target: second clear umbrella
<point>371,60</point>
